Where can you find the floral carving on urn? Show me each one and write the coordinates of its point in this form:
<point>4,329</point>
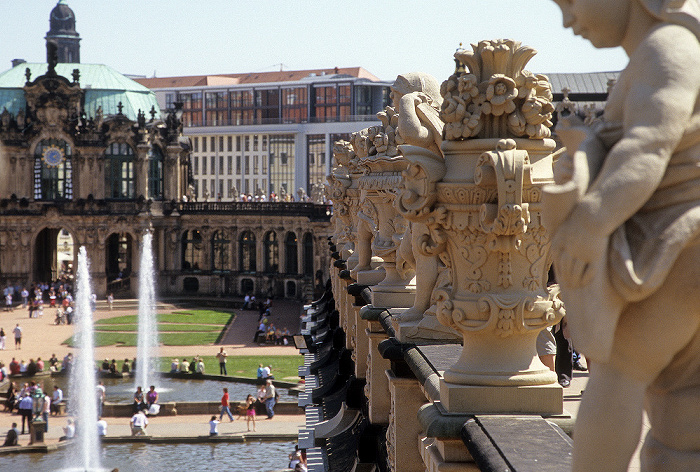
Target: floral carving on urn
<point>498,155</point>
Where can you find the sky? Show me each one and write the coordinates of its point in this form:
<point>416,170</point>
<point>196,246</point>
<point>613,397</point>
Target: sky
<point>165,38</point>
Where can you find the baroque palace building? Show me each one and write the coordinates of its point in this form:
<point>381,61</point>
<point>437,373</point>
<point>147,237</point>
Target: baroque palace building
<point>87,158</point>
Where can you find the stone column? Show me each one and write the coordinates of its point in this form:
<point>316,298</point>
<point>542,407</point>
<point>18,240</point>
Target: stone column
<point>171,175</point>
<point>403,435</point>
<point>141,169</point>
<point>377,386</point>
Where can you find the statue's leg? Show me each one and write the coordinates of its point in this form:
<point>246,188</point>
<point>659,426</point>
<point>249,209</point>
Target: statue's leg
<point>650,334</point>
<point>426,269</point>
<point>609,421</point>
<point>673,406</point>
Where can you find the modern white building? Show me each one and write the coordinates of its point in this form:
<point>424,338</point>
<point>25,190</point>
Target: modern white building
<point>269,132</point>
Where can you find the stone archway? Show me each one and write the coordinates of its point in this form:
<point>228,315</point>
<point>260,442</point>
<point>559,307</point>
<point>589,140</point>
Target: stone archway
<point>54,255</point>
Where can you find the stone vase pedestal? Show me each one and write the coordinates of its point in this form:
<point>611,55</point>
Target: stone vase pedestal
<point>498,253</point>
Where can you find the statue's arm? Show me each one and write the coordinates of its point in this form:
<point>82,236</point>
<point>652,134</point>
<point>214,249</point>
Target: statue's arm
<point>411,128</point>
<point>657,107</point>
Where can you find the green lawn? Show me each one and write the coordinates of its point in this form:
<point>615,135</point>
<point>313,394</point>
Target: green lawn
<point>283,367</point>
<point>163,328</point>
<point>180,328</point>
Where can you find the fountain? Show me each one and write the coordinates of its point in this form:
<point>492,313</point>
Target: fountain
<point>147,343</point>
<point>82,375</point>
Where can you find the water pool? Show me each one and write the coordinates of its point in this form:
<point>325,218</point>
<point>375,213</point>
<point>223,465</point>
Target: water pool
<point>235,457</point>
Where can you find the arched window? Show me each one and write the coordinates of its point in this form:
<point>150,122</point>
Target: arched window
<point>120,182</point>
<point>247,252</point>
<point>53,170</point>
<point>220,249</point>
<point>308,254</point>
<point>192,251</point>
<point>155,173</point>
<point>290,251</point>
<point>272,253</point>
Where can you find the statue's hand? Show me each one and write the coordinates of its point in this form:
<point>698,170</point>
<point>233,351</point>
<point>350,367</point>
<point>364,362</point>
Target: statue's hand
<point>577,250</point>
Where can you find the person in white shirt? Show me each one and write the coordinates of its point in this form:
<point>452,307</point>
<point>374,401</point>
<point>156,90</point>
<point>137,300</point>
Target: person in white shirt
<point>101,427</point>
<point>68,431</point>
<point>45,410</point>
<point>213,426</point>
<point>56,398</point>
<point>138,423</point>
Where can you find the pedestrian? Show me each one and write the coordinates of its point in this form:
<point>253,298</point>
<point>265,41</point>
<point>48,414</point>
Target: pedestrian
<point>8,302</point>
<point>200,366</point>
<point>101,392</point>
<point>68,431</point>
<point>110,300</point>
<point>25,409</point>
<point>101,427</point>
<point>151,397</point>
<point>139,404</point>
<point>25,297</point>
<point>12,436</point>
<point>270,399</point>
<point>138,423</point>
<point>45,410</point>
<point>2,339</point>
<point>56,399</point>
<point>222,361</point>
<point>250,411</point>
<point>126,367</point>
<point>214,426</point>
<point>225,406</point>
<point>18,336</point>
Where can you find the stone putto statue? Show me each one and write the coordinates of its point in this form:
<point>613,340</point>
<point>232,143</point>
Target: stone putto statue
<point>625,222</point>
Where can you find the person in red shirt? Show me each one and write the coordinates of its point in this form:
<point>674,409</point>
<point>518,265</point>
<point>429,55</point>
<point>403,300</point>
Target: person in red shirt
<point>225,407</point>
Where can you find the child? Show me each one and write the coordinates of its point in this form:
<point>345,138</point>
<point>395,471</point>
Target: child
<point>250,411</point>
<point>214,426</point>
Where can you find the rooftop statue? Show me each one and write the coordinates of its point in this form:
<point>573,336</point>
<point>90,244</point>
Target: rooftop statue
<point>625,218</point>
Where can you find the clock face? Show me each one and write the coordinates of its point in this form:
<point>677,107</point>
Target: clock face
<point>53,156</point>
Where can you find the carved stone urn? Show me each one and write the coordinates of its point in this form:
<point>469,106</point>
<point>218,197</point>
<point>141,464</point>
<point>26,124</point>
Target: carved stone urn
<point>498,156</point>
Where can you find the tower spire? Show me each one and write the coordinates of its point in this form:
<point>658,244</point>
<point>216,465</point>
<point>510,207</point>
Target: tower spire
<point>62,32</point>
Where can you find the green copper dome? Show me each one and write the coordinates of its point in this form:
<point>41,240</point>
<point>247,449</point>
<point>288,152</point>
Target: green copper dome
<point>104,87</point>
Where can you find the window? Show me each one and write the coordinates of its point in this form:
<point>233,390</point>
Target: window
<point>242,109</point>
<point>212,187</point>
<point>191,108</point>
<point>196,144</point>
<point>229,165</point>
<point>220,250</point>
<point>256,161</point>
<point>192,251</point>
<point>295,105</point>
<point>221,144</point>
<point>229,141</point>
<point>155,173</point>
<point>238,143</point>
<point>221,164</point>
<point>217,109</point>
<point>267,106</point>
<point>229,186</point>
<point>169,101</point>
<point>238,165</point>
<point>290,252</point>
<point>212,143</point>
<point>195,169</point>
<point>264,164</point>
<point>271,253</point>
<point>281,157</point>
<point>247,143</point>
<point>255,142</point>
<point>316,145</point>
<point>204,164</point>
<point>120,182</point>
<point>247,165</point>
<point>53,170</point>
<point>247,252</point>
<point>308,254</point>
<point>204,144</point>
<point>264,143</point>
<point>212,163</point>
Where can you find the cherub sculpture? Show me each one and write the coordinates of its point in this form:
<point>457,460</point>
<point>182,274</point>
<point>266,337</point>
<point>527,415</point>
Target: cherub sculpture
<point>625,218</point>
